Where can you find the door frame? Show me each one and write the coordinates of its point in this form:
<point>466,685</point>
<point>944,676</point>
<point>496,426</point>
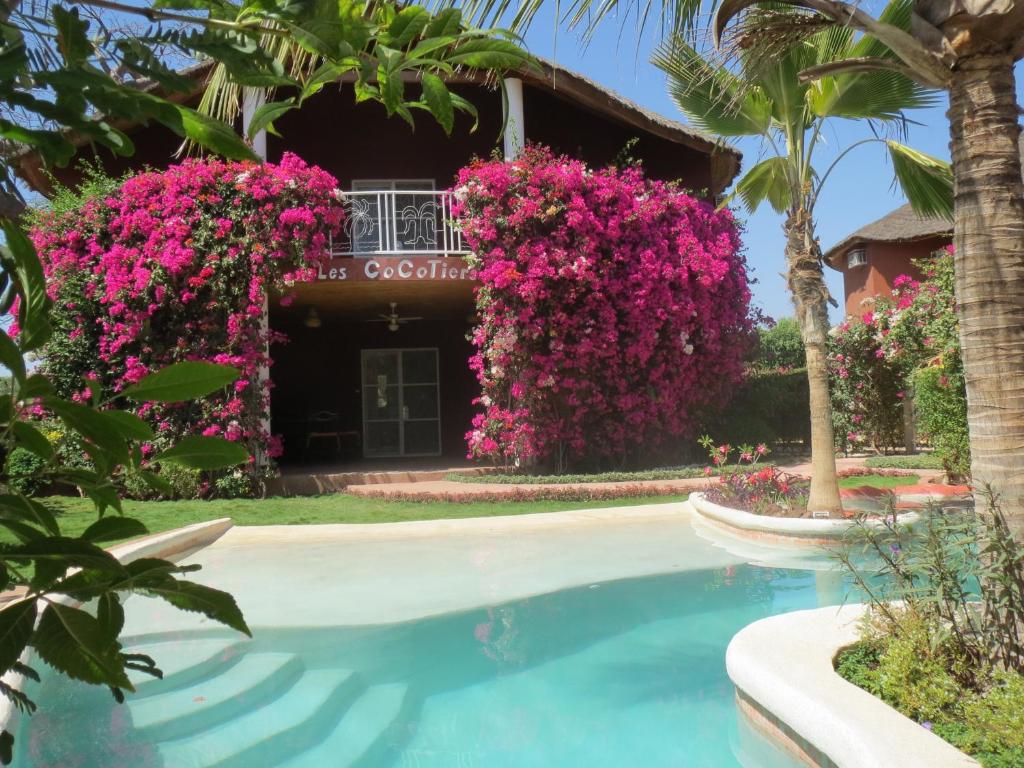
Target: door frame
<point>398,351</point>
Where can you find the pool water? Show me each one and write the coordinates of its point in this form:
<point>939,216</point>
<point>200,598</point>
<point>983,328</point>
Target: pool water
<point>625,672</point>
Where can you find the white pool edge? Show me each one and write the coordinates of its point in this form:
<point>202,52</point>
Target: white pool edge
<point>783,670</point>
<point>168,545</point>
<point>798,529</point>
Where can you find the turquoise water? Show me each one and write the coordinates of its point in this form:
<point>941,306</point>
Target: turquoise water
<point>620,673</point>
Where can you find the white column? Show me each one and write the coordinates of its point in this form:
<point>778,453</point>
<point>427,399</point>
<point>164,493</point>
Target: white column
<point>515,128</point>
<point>253,99</point>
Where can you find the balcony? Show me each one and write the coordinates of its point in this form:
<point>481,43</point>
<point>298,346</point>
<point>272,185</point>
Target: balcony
<point>398,222</point>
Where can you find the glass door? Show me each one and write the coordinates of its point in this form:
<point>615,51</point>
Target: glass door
<point>401,403</point>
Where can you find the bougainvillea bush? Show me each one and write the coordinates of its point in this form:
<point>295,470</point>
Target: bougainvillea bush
<point>611,308</point>
<point>867,384</point>
<point>908,346</point>
<point>176,265</point>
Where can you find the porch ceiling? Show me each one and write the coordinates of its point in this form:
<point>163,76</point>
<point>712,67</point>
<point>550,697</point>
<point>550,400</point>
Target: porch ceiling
<point>361,300</point>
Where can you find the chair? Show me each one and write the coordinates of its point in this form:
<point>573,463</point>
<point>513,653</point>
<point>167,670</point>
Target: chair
<point>322,425</point>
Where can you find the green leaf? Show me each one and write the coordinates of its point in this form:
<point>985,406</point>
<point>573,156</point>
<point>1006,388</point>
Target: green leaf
<point>182,381</point>
<point>17,621</point>
<point>95,426</point>
<point>446,22</point>
<point>31,439</point>
<point>926,181</point>
<point>22,532</point>
<point>68,553</point>
<point>768,180</point>
<point>20,260</point>
<point>72,39</point>
<point>29,511</point>
<point>130,425</point>
<point>217,605</point>
<point>113,528</point>
<point>712,97</point>
<point>213,134</point>
<point>110,613</point>
<point>35,385</point>
<point>157,483</point>
<point>264,117</point>
<point>438,98</point>
<point>73,642</point>
<point>11,357</point>
<point>6,747</point>
<point>406,26</point>
<point>204,453</point>
<point>491,54</point>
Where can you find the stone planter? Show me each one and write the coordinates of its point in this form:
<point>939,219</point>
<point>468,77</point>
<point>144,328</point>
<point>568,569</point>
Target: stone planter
<point>787,687</point>
<point>790,530</point>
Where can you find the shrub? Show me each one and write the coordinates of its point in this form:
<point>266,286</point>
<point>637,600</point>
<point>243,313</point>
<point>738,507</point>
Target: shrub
<point>918,461</point>
<point>913,674</point>
<point>780,346</point>
<point>867,386</point>
<point>907,345</point>
<point>24,471</point>
<point>941,403</point>
<point>770,406</point>
<point>611,309</point>
<point>174,266</point>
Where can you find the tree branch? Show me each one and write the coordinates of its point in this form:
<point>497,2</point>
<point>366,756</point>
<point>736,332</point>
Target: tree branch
<point>155,15</point>
<point>909,49</point>
<point>866,64</point>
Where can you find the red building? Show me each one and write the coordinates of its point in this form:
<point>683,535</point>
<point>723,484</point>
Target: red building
<point>377,362</point>
<point>875,255</point>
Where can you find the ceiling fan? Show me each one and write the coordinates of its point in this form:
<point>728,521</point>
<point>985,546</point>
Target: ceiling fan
<point>393,319</point>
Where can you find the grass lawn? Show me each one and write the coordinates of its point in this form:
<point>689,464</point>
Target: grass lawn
<point>76,514</point>
<point>877,481</point>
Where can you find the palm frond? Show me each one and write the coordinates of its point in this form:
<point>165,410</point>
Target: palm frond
<point>670,16</point>
<point>222,98</point>
<point>711,96</point>
<point>926,181</point>
<point>768,180</point>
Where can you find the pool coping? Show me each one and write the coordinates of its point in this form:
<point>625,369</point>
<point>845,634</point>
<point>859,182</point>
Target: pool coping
<point>799,530</point>
<point>787,686</point>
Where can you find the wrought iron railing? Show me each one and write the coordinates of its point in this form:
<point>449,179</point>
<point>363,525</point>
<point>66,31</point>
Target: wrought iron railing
<point>398,223</point>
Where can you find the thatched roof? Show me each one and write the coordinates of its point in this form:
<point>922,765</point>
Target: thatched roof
<point>900,226</point>
<point>725,160</point>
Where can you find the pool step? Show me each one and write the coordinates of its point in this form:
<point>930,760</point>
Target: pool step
<point>296,720</point>
<point>368,726</point>
<point>183,662</point>
<point>253,680</point>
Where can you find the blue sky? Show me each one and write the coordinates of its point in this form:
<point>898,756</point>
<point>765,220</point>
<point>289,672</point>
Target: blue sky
<point>859,191</point>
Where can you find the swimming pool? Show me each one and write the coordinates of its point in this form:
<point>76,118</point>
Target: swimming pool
<point>589,639</point>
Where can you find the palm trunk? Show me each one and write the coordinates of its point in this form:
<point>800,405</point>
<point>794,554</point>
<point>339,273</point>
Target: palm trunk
<point>989,272</point>
<point>807,285</point>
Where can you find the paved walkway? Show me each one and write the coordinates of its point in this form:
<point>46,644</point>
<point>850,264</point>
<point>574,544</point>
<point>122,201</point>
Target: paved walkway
<point>447,489</point>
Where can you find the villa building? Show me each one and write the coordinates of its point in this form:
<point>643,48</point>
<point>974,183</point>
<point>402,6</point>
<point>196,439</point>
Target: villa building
<point>875,255</point>
<point>376,366</point>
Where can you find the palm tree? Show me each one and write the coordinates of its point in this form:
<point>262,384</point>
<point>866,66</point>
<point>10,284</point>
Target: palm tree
<point>969,49</point>
<point>763,96</point>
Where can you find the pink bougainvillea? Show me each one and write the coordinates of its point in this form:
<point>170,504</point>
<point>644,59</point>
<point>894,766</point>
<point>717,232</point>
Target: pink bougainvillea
<point>611,308</point>
<point>176,265</point>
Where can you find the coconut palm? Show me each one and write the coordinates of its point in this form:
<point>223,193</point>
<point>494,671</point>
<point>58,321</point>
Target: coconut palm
<point>763,96</point>
<point>969,49</point>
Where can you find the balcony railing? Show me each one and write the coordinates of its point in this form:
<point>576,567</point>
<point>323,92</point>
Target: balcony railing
<point>398,223</point>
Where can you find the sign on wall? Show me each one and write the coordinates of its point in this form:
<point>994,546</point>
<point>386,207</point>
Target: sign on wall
<point>403,268</point>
